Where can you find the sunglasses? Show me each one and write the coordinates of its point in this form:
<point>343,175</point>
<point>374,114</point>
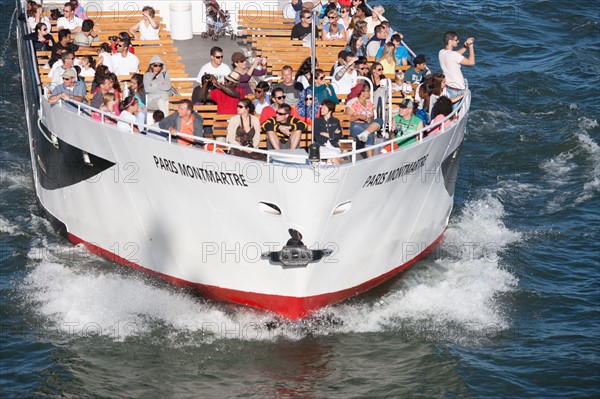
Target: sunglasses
<point>156,65</point>
<point>258,91</point>
<point>67,78</point>
<point>282,113</point>
<point>279,97</point>
<point>119,46</point>
<point>321,77</point>
<point>333,17</point>
<point>307,99</point>
<point>240,106</point>
<point>379,69</point>
<point>344,11</point>
<point>218,56</point>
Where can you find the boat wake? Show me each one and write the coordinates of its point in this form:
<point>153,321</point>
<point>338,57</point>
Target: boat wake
<point>452,295</point>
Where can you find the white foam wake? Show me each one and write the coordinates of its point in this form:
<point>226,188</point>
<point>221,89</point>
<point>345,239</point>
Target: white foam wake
<point>454,294</point>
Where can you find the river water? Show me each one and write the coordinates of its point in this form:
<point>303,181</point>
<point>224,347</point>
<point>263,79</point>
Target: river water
<point>507,306</point>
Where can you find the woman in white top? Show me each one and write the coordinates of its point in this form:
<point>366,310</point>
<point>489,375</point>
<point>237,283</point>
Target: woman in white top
<point>34,17</point>
<point>148,28</point>
<point>128,108</point>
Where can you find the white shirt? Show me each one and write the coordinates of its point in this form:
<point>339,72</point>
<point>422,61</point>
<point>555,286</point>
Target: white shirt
<point>221,70</point>
<point>148,32</point>
<point>107,60</point>
<point>56,74</point>
<point>346,83</point>
<point>129,117</point>
<point>66,24</point>
<point>32,23</point>
<point>450,63</point>
<point>125,65</point>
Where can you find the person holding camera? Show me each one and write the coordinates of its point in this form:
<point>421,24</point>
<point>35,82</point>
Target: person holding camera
<point>244,128</point>
<point>451,62</point>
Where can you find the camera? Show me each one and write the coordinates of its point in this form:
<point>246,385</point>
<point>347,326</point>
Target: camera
<point>248,143</point>
<point>113,38</point>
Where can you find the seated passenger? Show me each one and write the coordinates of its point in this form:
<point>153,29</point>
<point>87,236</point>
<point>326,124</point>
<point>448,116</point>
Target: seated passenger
<point>104,85</point>
<point>136,88</point>
<point>328,131</point>
<point>128,110</point>
<point>244,128</point>
<point>110,106</point>
<point>200,92</point>
<point>63,44</point>
<point>398,82</point>
<point>344,77</point>
<point>240,65</point>
<point>35,17</point>
<point>277,100</point>
<point>157,84</point>
<point>88,66</point>
<point>186,121</point>
<point>388,59</point>
<point>69,20</point>
<point>124,62</point>
<point>304,27</point>
<point>377,41</point>
<point>418,71</point>
<point>304,109</point>
<point>323,90</point>
<point>304,73</point>
<point>104,56</point>
<point>215,67</point>
<point>261,97</point>
<point>148,28</point>
<point>363,123</point>
<point>356,46</point>
<point>226,95</point>
<point>406,123</point>
<point>441,109</point>
<point>283,130</point>
<point>333,30</point>
<point>70,89</point>
<point>290,87</point>
<point>88,35</point>
<point>66,62</point>
<point>42,40</point>
<point>78,10</point>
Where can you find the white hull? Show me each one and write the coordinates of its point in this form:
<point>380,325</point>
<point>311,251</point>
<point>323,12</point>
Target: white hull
<point>137,207</point>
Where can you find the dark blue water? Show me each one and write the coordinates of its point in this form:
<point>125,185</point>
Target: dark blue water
<point>507,306</point>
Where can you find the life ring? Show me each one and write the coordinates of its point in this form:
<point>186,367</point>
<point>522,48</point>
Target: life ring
<point>388,148</point>
<point>211,147</point>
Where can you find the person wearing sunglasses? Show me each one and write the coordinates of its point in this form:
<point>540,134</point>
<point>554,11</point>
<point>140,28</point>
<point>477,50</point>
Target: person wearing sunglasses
<point>304,109</point>
<point>69,20</point>
<point>323,90</point>
<point>42,40</point>
<point>240,65</point>
<point>244,128</point>
<point>451,62</point>
<point>333,30</point>
<point>304,27</point>
<point>261,97</point>
<point>277,100</point>
<point>124,62</point>
<point>283,130</point>
<point>70,89</point>
<point>157,83</point>
<point>215,67</point>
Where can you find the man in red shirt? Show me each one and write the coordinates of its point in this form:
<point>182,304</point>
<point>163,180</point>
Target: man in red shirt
<point>226,95</point>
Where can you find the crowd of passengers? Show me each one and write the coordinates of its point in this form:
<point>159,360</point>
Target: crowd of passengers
<point>281,110</point>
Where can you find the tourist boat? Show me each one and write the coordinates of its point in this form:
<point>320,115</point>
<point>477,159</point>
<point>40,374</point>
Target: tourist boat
<point>288,234</point>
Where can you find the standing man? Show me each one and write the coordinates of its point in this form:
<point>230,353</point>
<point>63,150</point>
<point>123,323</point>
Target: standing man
<point>215,67</point>
<point>124,62</point>
<point>451,62</point>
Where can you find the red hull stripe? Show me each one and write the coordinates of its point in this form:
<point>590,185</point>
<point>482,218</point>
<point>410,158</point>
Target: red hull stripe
<point>288,306</point>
